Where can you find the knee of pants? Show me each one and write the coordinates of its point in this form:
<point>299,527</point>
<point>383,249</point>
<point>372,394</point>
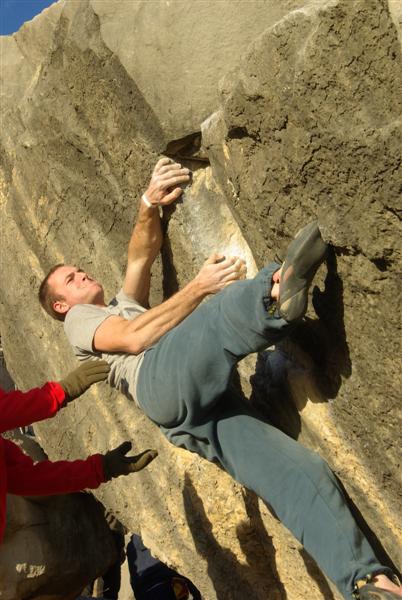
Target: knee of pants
<point>318,470</point>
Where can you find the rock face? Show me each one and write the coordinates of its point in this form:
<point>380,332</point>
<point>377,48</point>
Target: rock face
<point>311,126</point>
<point>306,123</point>
<point>53,547</point>
<point>6,383</point>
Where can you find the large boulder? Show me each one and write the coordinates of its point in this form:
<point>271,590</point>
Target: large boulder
<point>311,126</point>
<point>305,124</point>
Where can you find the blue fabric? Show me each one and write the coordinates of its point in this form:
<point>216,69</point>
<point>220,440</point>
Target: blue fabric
<point>184,386</point>
<point>150,578</point>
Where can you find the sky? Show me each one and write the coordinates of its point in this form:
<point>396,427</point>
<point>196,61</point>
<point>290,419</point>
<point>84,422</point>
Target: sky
<point>13,13</point>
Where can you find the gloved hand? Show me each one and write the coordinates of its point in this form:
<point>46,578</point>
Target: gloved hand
<point>116,463</point>
<point>79,380</point>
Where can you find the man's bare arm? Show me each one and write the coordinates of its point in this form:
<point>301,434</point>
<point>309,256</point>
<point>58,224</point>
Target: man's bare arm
<point>146,239</point>
<point>116,334</point>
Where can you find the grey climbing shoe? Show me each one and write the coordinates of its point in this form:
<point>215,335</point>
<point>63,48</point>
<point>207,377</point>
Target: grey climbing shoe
<point>304,256</point>
<point>370,592</point>
<point>365,590</point>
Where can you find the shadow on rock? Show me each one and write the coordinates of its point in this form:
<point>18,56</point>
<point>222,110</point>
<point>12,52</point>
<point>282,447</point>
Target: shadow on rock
<point>308,365</point>
<point>252,532</point>
<point>315,574</point>
<point>375,543</point>
<point>324,340</point>
<point>170,284</point>
<point>271,394</point>
<point>223,565</point>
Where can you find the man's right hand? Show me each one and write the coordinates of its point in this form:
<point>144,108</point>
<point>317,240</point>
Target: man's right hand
<point>167,177</point>
<point>218,272</point>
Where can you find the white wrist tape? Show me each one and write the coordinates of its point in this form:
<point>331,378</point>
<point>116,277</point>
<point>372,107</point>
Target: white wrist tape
<point>147,202</point>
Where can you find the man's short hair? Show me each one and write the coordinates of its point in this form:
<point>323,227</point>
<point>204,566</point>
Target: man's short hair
<point>47,297</point>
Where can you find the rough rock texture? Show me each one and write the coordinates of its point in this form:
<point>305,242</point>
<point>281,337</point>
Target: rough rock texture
<point>311,126</point>
<point>307,124</point>
<point>175,53</point>
<point>53,547</point>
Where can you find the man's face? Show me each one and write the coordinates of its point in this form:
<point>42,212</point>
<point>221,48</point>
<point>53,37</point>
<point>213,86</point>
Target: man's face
<point>74,286</point>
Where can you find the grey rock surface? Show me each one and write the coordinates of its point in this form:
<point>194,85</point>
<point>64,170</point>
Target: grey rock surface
<point>306,123</point>
<point>176,51</point>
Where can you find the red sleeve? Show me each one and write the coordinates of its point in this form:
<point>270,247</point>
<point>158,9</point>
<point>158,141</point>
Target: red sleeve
<point>23,408</point>
<point>45,478</point>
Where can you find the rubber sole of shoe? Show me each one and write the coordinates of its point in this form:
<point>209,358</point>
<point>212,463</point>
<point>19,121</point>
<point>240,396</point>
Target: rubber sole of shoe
<point>304,256</point>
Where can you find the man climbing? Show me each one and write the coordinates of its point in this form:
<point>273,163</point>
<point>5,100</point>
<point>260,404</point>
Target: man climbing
<point>175,361</point>
<point>21,476</point>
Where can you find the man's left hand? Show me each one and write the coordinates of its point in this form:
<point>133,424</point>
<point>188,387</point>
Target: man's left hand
<point>167,177</point>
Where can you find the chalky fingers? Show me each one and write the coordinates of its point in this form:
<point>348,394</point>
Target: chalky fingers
<point>162,162</point>
<point>236,271</point>
<point>171,180</point>
<point>172,166</point>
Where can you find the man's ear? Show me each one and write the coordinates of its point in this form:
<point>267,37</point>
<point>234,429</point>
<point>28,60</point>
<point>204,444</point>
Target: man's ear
<point>60,306</point>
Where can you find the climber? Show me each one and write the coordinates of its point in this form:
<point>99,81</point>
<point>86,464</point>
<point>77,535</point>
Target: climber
<point>18,473</point>
<point>175,361</point>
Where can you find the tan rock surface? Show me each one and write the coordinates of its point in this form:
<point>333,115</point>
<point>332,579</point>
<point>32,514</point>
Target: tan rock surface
<point>307,125</point>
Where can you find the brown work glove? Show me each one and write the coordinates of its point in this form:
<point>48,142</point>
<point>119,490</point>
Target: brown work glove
<point>116,463</point>
<point>78,381</point>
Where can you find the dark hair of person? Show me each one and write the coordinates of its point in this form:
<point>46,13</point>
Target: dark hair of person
<point>47,296</point>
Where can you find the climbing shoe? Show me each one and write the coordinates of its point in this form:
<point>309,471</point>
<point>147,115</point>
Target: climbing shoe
<point>370,592</point>
<point>304,256</point>
<point>365,590</point>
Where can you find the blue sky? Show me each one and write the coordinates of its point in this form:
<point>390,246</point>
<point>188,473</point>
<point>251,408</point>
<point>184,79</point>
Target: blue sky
<point>13,13</point>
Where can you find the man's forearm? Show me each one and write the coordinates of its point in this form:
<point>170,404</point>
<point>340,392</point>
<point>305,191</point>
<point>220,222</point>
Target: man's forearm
<point>146,239</point>
<point>149,327</point>
<point>117,334</point>
<point>164,188</point>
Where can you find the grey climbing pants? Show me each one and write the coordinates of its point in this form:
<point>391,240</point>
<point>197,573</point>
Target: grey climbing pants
<point>184,387</point>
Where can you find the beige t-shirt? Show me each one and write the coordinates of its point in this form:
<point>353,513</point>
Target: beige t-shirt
<point>80,325</point>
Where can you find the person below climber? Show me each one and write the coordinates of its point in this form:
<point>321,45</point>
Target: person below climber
<point>21,476</point>
<point>151,579</point>
<point>175,361</point>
